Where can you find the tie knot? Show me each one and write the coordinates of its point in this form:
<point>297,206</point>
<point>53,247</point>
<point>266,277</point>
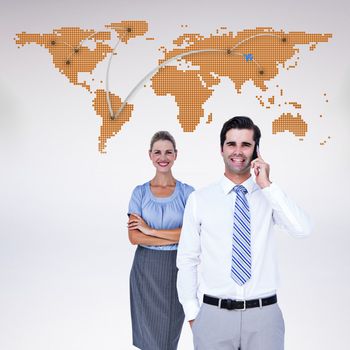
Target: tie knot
<point>240,188</point>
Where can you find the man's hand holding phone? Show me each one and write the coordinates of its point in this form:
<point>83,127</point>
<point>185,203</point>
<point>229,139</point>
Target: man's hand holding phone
<point>261,170</point>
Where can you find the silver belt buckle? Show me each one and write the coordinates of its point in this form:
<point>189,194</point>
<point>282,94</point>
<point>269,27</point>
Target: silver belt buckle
<point>260,303</point>
<point>219,305</point>
<point>244,305</point>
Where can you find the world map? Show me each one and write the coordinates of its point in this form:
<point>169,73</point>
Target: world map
<point>189,71</point>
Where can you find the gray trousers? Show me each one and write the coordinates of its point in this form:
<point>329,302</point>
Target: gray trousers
<point>251,329</point>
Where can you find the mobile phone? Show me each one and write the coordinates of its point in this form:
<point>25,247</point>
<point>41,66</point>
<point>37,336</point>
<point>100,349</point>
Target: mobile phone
<point>255,153</point>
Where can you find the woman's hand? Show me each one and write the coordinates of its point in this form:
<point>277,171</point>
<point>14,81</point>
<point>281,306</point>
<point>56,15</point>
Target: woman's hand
<point>137,223</point>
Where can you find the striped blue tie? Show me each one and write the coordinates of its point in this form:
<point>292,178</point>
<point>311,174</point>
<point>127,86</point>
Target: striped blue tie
<point>241,252</point>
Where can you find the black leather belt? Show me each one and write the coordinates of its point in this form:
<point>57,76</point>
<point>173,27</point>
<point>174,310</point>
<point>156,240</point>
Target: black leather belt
<point>230,304</point>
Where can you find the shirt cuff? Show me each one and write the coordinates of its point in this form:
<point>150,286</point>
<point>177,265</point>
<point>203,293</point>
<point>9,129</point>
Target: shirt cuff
<point>273,192</point>
<point>191,309</point>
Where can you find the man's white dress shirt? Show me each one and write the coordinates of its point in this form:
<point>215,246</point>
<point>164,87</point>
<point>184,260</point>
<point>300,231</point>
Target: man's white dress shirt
<point>205,247</point>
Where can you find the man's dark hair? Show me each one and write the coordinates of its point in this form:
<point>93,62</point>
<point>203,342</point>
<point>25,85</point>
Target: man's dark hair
<point>240,123</point>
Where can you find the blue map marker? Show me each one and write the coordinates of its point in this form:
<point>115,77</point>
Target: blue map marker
<point>248,57</point>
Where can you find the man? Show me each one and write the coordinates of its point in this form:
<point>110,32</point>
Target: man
<point>226,255</point>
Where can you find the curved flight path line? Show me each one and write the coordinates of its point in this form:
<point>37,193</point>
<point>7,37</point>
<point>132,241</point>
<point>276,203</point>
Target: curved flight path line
<point>109,104</point>
<point>254,36</point>
<point>76,48</point>
<point>153,71</point>
<point>80,44</point>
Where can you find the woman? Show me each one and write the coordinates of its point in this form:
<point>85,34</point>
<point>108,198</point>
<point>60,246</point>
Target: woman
<point>155,220</point>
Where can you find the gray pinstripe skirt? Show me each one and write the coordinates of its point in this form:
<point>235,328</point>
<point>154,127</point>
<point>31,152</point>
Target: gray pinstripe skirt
<point>156,313</point>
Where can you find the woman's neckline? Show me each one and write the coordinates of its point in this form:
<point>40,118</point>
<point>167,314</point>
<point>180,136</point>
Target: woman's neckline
<point>164,199</point>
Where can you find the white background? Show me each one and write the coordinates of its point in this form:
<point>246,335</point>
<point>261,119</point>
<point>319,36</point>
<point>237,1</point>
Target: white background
<point>64,253</point>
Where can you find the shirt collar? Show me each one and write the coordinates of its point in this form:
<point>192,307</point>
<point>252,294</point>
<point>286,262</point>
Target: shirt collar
<point>227,185</point>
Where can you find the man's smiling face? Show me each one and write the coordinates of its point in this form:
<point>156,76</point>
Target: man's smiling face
<point>237,152</point>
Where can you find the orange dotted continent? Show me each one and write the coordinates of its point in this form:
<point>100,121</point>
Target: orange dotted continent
<point>250,55</point>
<point>287,122</point>
<point>127,30</point>
<point>110,126</point>
<point>70,55</point>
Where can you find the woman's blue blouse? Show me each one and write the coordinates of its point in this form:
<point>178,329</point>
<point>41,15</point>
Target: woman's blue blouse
<point>160,212</point>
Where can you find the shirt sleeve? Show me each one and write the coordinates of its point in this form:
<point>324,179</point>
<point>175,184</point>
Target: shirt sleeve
<point>135,204</point>
<point>188,259</point>
<point>286,213</point>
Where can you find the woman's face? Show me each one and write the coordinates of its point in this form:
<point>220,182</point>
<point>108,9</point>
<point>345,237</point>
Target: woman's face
<point>162,155</point>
